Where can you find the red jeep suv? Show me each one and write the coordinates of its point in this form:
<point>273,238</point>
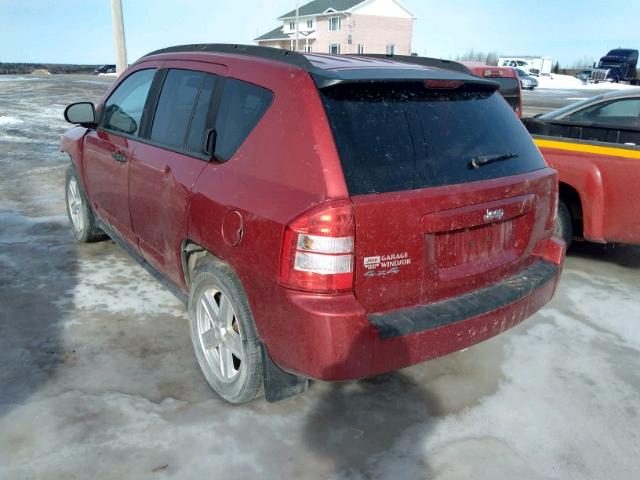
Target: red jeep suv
<point>324,217</point>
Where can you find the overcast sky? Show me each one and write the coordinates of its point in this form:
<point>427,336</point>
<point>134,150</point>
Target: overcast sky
<point>72,31</point>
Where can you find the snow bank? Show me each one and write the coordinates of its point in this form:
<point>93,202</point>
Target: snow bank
<point>567,82</point>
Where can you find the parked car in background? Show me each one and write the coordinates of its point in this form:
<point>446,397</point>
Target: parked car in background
<point>526,81</point>
<point>408,216</point>
<point>510,84</point>
<point>583,75</point>
<point>105,69</point>
<point>594,145</point>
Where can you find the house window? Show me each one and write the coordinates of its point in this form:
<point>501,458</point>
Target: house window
<point>307,48</point>
<point>334,24</point>
<point>334,49</point>
<point>309,23</point>
<point>292,25</point>
<point>391,49</point>
<point>361,49</point>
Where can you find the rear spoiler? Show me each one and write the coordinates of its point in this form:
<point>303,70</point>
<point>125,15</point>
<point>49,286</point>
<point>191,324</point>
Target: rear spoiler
<point>424,61</point>
<point>330,78</point>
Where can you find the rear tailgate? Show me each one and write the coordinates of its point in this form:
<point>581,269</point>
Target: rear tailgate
<point>430,222</point>
<point>431,244</point>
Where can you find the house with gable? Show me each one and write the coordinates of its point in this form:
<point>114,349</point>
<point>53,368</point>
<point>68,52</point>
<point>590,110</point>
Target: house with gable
<point>344,27</point>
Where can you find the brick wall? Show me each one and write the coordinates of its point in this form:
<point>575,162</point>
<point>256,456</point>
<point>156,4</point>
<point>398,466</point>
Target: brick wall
<point>373,31</point>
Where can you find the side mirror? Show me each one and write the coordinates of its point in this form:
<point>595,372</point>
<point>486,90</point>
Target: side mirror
<point>121,122</point>
<point>81,113</point>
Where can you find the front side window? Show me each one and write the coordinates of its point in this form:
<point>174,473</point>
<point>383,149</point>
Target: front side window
<point>241,108</point>
<point>175,106</point>
<point>123,109</point>
<point>334,24</point>
<point>619,113</point>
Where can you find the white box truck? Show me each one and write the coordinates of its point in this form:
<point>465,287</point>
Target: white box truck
<point>532,65</point>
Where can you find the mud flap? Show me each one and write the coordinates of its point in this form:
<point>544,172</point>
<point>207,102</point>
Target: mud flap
<point>279,384</point>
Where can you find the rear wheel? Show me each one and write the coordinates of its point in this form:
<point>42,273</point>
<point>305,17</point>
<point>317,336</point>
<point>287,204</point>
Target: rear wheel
<point>83,224</point>
<point>564,223</point>
<point>224,335</point>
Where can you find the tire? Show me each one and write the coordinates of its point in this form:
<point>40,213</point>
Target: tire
<point>81,218</point>
<point>228,349</point>
<point>564,223</point>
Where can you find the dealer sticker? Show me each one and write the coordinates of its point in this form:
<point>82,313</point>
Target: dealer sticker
<point>382,265</point>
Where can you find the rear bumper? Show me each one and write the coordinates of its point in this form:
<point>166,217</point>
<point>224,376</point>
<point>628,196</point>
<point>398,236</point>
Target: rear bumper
<point>423,318</point>
<point>337,341</point>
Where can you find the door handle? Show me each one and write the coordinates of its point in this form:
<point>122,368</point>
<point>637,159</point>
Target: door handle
<point>118,157</point>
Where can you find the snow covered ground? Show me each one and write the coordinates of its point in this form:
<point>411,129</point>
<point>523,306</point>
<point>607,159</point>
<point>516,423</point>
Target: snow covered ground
<point>567,82</point>
<point>98,378</point>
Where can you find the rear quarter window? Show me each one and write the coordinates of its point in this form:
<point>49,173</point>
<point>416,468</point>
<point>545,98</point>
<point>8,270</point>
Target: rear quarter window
<point>403,136</point>
<point>241,108</point>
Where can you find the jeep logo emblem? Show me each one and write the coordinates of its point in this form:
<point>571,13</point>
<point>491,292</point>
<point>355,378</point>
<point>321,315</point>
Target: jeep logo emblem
<point>496,214</point>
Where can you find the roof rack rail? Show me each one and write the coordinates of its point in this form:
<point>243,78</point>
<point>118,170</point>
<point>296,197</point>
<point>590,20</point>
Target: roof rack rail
<point>268,53</point>
<point>424,61</point>
<point>324,78</point>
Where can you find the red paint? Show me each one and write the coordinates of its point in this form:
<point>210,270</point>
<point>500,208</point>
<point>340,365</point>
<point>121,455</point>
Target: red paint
<point>608,189</point>
<point>286,169</point>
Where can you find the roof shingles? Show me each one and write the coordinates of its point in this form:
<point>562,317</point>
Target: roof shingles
<point>275,34</point>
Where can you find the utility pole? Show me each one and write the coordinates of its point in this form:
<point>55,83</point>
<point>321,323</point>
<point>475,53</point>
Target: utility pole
<point>297,22</point>
<point>118,36</point>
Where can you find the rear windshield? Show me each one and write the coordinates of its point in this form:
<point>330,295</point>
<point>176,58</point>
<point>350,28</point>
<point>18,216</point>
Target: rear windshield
<point>403,136</point>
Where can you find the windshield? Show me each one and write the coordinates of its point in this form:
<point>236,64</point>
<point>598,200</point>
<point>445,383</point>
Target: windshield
<point>402,136</point>
<point>561,111</point>
<point>605,64</point>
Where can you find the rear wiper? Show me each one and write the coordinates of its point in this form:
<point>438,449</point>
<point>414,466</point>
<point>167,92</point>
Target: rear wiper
<point>482,160</point>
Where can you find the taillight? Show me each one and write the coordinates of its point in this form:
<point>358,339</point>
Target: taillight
<point>317,253</point>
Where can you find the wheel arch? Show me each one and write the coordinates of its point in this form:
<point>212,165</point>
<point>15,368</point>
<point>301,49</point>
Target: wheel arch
<point>193,254</point>
<point>572,199</point>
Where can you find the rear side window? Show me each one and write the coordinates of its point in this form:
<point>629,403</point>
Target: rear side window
<point>619,113</point>
<point>175,107</point>
<point>241,108</point>
<point>123,110</point>
<point>402,136</point>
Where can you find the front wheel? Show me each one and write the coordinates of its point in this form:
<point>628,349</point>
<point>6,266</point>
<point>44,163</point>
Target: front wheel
<point>83,224</point>
<point>224,335</point>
